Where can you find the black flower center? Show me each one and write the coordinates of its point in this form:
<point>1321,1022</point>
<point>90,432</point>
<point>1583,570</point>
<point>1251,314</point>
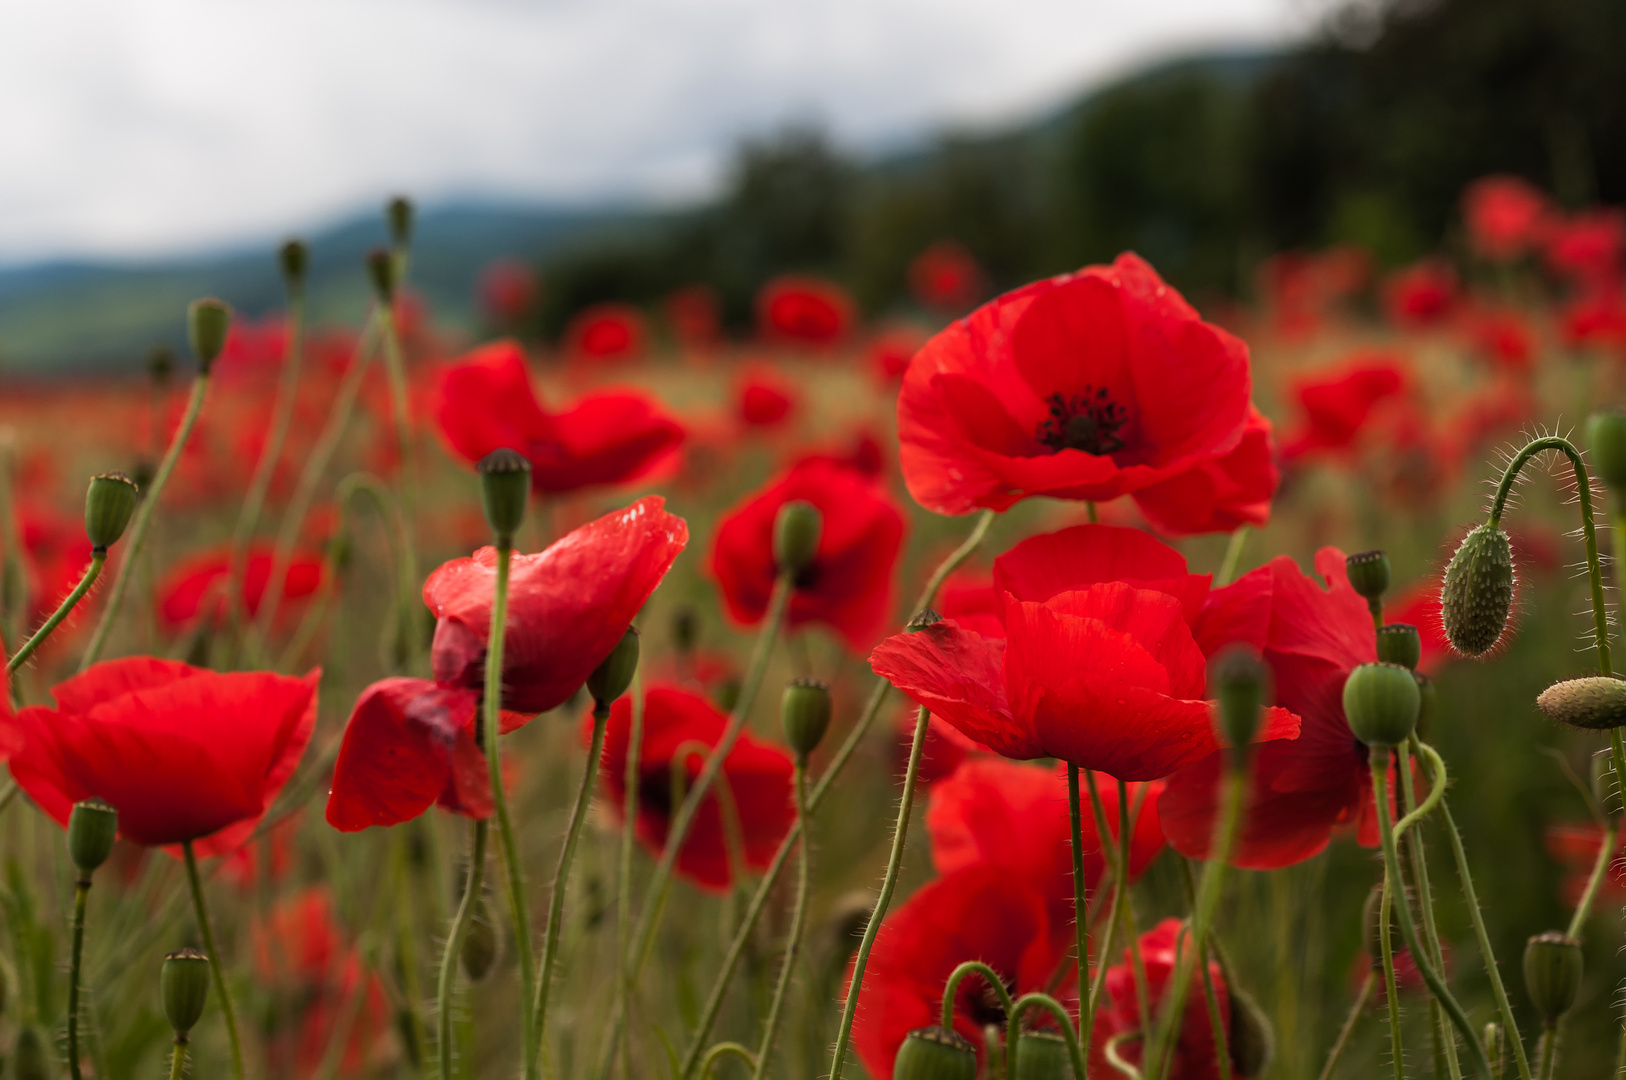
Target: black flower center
<point>981,1002</point>
<point>1089,422</point>
<point>655,792</point>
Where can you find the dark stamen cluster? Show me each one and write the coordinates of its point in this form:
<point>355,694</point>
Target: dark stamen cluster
<point>1089,422</point>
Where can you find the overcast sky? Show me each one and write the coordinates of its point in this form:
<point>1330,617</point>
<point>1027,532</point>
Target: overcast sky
<point>137,127</point>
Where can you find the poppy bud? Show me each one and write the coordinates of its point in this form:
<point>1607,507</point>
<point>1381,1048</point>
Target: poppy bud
<point>109,504</point>
<point>30,1058</point>
<point>612,677</point>
<point>184,986</point>
<point>924,618</point>
<point>1251,1041</point>
<point>1368,574</point>
<point>934,1053</point>
<point>1370,925</point>
<point>1552,973</point>
<point>1597,702</point>
<point>293,257</point>
<point>796,536</point>
<point>1042,1055</point>
<point>381,268</point>
<point>92,828</point>
<point>480,943</point>
<point>1604,787</point>
<point>1381,703</point>
<point>685,629</point>
<point>399,212</point>
<point>160,364</point>
<point>804,710</point>
<point>1427,699</point>
<point>726,694</point>
<point>1400,643</point>
<point>207,322</point>
<point>1606,436</point>
<point>1478,591</point>
<point>1240,678</point>
<point>505,488</point>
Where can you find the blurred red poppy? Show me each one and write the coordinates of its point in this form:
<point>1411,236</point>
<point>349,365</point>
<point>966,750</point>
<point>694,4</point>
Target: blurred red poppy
<point>202,579</point>
<point>55,554</point>
<point>607,332</point>
<point>1588,247</point>
<point>1504,339</point>
<point>1221,494</point>
<point>1506,216</point>
<point>680,724</point>
<point>890,353</point>
<point>1085,386</point>
<point>947,277</point>
<point>1419,605</point>
<point>485,402</point>
<point>1574,846</point>
<point>804,310</point>
<point>763,398</point>
<point>863,454</point>
<point>181,753</point>
<point>1337,404</point>
<point>509,290</point>
<point>848,587</point>
<point>1422,294</point>
<point>945,748</point>
<point>1597,320</point>
<point>254,351</point>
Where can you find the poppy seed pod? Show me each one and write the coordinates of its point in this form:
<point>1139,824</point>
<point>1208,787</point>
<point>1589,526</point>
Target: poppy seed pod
<point>1596,702</point>
<point>796,532</point>
<point>611,678</point>
<point>1552,973</point>
<point>1606,438</point>
<point>207,323</point>
<point>1368,574</point>
<point>1604,787</point>
<point>184,986</point>
<point>480,943</point>
<point>381,269</point>
<point>293,258</point>
<point>505,489</point>
<point>924,618</point>
<point>92,827</point>
<point>1240,679</point>
<point>1478,591</point>
<point>29,1060</point>
<point>1381,703</point>
<point>1400,643</point>
<point>400,214</point>
<point>1042,1055</point>
<point>1252,1043</point>
<point>934,1053</point>
<point>110,502</point>
<point>804,710</point>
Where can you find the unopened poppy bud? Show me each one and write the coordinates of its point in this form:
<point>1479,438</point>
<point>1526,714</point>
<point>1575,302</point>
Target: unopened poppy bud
<point>160,364</point>
<point>1606,437</point>
<point>924,618</point>
<point>796,536</point>
<point>381,269</point>
<point>1240,680</point>
<point>685,629</point>
<point>1042,1055</point>
<point>109,504</point>
<point>1252,1042</point>
<point>1368,574</point>
<point>1604,787</point>
<point>1371,924</point>
<point>30,1060</point>
<point>1552,973</point>
<point>293,257</point>
<point>1400,643</point>
<point>804,711</point>
<point>612,677</point>
<point>1381,703</point>
<point>1597,702</point>
<point>184,986</point>
<point>480,943</point>
<point>934,1053</point>
<point>1478,591</point>
<point>207,323</point>
<point>505,489</point>
<point>400,215</point>
<point>92,827</point>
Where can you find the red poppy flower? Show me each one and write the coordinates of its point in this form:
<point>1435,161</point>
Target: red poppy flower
<point>981,912</point>
<point>1596,320</point>
<point>1221,494</point>
<point>1046,565</point>
<point>757,775</point>
<point>1303,789</point>
<point>694,315</point>
<point>862,453</point>
<point>804,310</point>
<point>946,276</point>
<point>567,606</point>
<point>890,353</point>
<point>1422,294</point>
<point>607,332</point>
<point>1338,404</point>
<point>970,599</point>
<point>508,290</point>
<point>1086,386</point>
<point>764,399</point>
<point>1506,216</point>
<point>180,752</point>
<point>848,586</point>
<point>55,553</point>
<point>1574,846</point>
<point>254,351</point>
<point>1504,339</point>
<point>485,402</point>
<point>941,754</point>
<point>202,579</point>
<point>1196,1057</point>
<point>1589,247</point>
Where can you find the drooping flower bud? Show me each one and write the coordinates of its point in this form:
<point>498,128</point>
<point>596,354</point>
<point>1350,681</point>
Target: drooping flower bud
<point>934,1053</point>
<point>1596,702</point>
<point>804,711</point>
<point>1606,437</point>
<point>1241,681</point>
<point>207,323</point>
<point>110,502</point>
<point>1042,1055</point>
<point>505,490</point>
<point>30,1060</point>
<point>1605,789</point>
<point>184,986</point>
<point>400,215</point>
<point>1251,1040</point>
<point>796,533</point>
<point>1381,703</point>
<point>1368,574</point>
<point>293,258</point>
<point>1400,643</point>
<point>1552,973</point>
<point>480,943</point>
<point>611,678</point>
<point>92,827</point>
<point>1478,591</point>
<point>381,269</point>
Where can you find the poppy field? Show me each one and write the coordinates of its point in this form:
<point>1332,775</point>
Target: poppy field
<point>1078,679</point>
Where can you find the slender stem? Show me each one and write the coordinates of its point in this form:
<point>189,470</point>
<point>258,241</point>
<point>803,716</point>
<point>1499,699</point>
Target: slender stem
<point>13,587</point>
<point>629,832</point>
<point>1081,935</point>
<point>81,894</point>
<point>217,965</point>
<point>177,1060</point>
<point>143,521</point>
<point>1063,1024</point>
<point>1397,1053</point>
<point>722,1050</point>
<point>98,559</point>
<point>798,916</point>
<point>1233,557</point>
<point>1216,1023</point>
<point>454,946</point>
<point>1620,1055</point>
<point>406,949</point>
<point>1444,1044</point>
<point>900,831</point>
<point>1549,1050</point>
<point>1348,1029</point>
<point>1122,912</point>
<point>951,989</point>
<point>400,406</point>
<point>1093,514</point>
<point>1600,868</point>
<point>1117,1060</point>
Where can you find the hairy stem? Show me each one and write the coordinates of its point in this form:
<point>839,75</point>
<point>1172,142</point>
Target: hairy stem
<point>81,894</point>
<point>98,559</point>
<point>1354,1017</point>
<point>217,966</point>
<point>798,915</point>
<point>454,946</point>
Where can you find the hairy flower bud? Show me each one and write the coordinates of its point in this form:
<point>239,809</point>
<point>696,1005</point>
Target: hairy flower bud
<point>293,257</point>
<point>1400,643</point>
<point>1606,437</point>
<point>92,827</point>
<point>1381,703</point>
<point>480,943</point>
<point>611,678</point>
<point>796,536</point>
<point>184,987</point>
<point>400,214</point>
<point>505,489</point>
<point>804,711</point>
<point>381,269</point>
<point>207,323</point>
<point>1368,573</point>
<point>1552,973</point>
<point>1241,681</point>
<point>1478,591</point>
<point>1596,702</point>
<point>1042,1055</point>
<point>934,1053</point>
<point>110,502</point>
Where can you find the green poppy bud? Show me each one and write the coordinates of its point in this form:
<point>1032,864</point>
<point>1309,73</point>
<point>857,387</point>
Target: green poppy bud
<point>480,943</point>
<point>293,257</point>
<point>207,323</point>
<point>1241,681</point>
<point>505,489</point>
<point>612,677</point>
<point>804,711</point>
<point>934,1053</point>
<point>685,629</point>
<point>1251,1040</point>
<point>1368,574</point>
<point>184,986</point>
<point>400,215</point>
<point>92,827</point>
<point>1381,703</point>
<point>31,1060</point>
<point>1042,1055</point>
<point>1604,787</point>
<point>1606,437</point>
<point>109,504</point>
<point>924,618</point>
<point>1596,702</point>
<point>381,269</point>
<point>160,365</point>
<point>1478,591</point>
<point>1400,643</point>
<point>1552,973</point>
<point>796,536</point>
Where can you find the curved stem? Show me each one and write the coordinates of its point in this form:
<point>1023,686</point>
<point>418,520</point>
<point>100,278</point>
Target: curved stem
<point>722,1050</point>
<point>1348,1029</point>
<point>1436,787</point>
<point>81,893</point>
<point>98,559</point>
<point>951,989</point>
<point>1443,1043</point>
<point>1081,934</point>
<point>1116,1060</point>
<point>1600,868</point>
<point>1391,992</point>
<point>1064,1024</point>
<point>217,964</point>
<point>454,946</point>
<point>798,915</point>
<point>143,521</point>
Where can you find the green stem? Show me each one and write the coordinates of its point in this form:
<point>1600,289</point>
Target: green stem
<point>1397,1054</point>
<point>1063,1024</point>
<point>1117,1060</point>
<point>1216,1023</point>
<point>177,1060</point>
<point>143,521</point>
<point>81,894</point>
<point>406,949</point>
<point>1549,1050</point>
<point>13,586</point>
<point>1348,1029</point>
<point>400,406</point>
<point>98,559</point>
<point>217,965</point>
<point>1122,910</point>
<point>951,989</point>
<point>1443,1043</point>
<point>454,947</point>
<point>1233,557</point>
<point>629,832</point>
<point>722,1050</point>
<point>1600,868</point>
<point>1081,934</point>
<point>798,915</point>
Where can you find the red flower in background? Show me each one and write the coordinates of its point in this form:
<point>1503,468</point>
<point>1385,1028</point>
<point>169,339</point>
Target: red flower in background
<point>970,599</point>
<point>694,315</point>
<point>203,578</point>
<point>181,753</point>
<point>1506,216</point>
<point>1505,339</point>
<point>763,399</point>
<point>945,748</point>
<point>1423,294</point>
<point>863,454</point>
<point>607,332</point>
<point>804,310</point>
<point>55,554</point>
<point>485,402</point>
<point>1086,386</point>
<point>1221,494</point>
<point>1597,320</point>
<point>1337,404</point>
<point>1419,605</point>
<point>848,587</point>
<point>890,353</point>
<point>1589,246</point>
<point>508,290</point>
<point>1575,847</point>
<point>946,276</point>
<point>254,351</point>
<point>757,776</point>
